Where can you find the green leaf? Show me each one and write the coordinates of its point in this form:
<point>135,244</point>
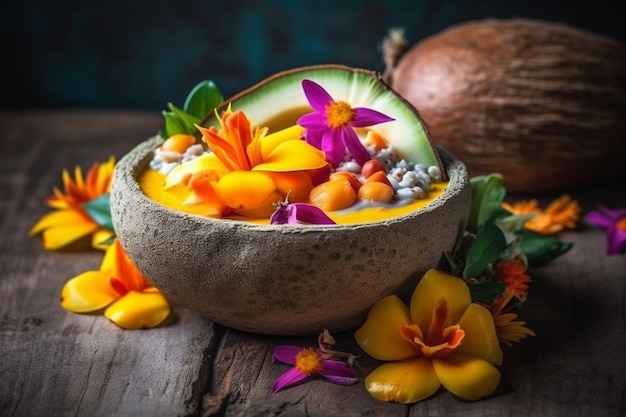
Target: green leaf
<point>486,249</point>
<point>203,99</point>
<point>99,209</point>
<point>487,195</point>
<point>173,124</point>
<point>541,249</point>
<point>182,121</point>
<point>486,291</point>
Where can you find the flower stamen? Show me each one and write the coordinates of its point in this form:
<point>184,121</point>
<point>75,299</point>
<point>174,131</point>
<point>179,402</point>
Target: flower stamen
<point>308,361</point>
<point>339,114</point>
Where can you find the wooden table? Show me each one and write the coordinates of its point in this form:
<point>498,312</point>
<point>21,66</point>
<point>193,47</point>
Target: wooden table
<point>56,363</point>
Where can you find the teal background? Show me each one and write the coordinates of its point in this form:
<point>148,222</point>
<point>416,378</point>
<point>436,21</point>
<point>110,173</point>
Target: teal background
<point>142,54</point>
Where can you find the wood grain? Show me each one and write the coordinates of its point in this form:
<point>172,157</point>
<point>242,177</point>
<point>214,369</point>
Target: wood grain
<point>55,363</point>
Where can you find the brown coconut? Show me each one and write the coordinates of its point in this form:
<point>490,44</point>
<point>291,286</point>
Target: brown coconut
<point>542,103</point>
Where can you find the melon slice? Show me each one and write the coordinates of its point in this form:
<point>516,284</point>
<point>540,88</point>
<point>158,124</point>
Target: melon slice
<point>278,101</point>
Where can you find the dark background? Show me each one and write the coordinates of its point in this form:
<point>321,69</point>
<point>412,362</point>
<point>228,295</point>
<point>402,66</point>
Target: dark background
<point>142,54</point>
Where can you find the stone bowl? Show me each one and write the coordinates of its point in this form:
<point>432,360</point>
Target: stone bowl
<point>282,280</point>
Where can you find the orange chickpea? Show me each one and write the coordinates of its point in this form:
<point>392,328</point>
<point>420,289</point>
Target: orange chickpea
<point>348,176</point>
<point>178,143</point>
<point>376,191</point>
<point>379,176</point>
<point>371,166</point>
<point>333,195</point>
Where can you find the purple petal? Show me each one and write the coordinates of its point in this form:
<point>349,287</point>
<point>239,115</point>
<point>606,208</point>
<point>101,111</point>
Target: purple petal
<point>314,137</point>
<point>358,151</point>
<point>367,117</point>
<point>616,241</point>
<point>308,213</point>
<point>316,95</point>
<point>597,218</point>
<point>286,353</point>
<point>285,213</point>
<point>288,379</point>
<point>315,121</point>
<point>338,373</point>
<point>334,146</point>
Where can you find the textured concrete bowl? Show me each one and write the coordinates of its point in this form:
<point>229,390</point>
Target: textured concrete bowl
<point>283,280</point>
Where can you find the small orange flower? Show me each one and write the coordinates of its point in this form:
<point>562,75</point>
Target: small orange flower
<point>507,328</point>
<point>70,222</point>
<point>513,274</point>
<point>562,213</point>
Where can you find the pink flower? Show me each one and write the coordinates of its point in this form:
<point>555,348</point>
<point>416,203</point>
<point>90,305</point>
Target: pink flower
<point>308,362</point>
<point>330,126</point>
<point>614,223</point>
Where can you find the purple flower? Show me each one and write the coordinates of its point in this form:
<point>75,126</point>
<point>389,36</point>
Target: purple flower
<point>330,126</point>
<point>614,223</point>
<point>308,362</point>
<point>296,213</point>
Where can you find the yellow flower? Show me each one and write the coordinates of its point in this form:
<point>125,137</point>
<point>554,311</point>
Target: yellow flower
<point>70,222</point>
<point>248,172</point>
<point>508,329</point>
<point>129,300</point>
<point>562,213</point>
<point>443,339</point>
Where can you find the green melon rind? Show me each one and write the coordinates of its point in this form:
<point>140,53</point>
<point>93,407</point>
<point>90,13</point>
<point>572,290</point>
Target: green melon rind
<point>358,87</point>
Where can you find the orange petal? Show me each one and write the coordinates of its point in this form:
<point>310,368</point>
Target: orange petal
<point>280,159</point>
<point>139,310</point>
<point>403,382</point>
<point>380,334</point>
<point>481,339</point>
<point>467,377</point>
<point>432,287</point>
<point>89,291</point>
<point>100,238</point>
<point>120,266</point>
<point>246,190</point>
<point>294,185</point>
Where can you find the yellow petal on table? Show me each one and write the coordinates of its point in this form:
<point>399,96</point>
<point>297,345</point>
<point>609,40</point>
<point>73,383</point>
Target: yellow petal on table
<point>139,310</point>
<point>481,339</point>
<point>380,335</point>
<point>404,382</point>
<point>432,287</point>
<point>281,158</point>
<point>467,377</point>
<point>58,218</point>
<point>87,292</point>
<point>101,239</point>
<point>57,237</point>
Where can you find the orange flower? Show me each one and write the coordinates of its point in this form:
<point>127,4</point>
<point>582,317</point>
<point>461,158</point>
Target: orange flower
<point>248,172</point>
<point>70,222</point>
<point>513,274</point>
<point>118,287</point>
<point>561,214</point>
<point>507,328</point>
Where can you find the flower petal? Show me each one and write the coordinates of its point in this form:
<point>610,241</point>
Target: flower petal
<point>58,218</point>
<point>317,96</point>
<point>286,353</point>
<point>481,339</point>
<point>271,141</point>
<point>287,379</point>
<point>467,377</point>
<point>403,382</point>
<point>432,287</point>
<point>281,158</point>
<point>364,117</point>
<point>338,372</point>
<point>284,214</point>
<point>101,239</point>
<point>205,162</point>
<point>247,190</point>
<point>616,241</point>
<point>308,213</point>
<point>87,292</point>
<point>62,235</point>
<point>355,146</point>
<point>380,335</point>
<point>139,310</point>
